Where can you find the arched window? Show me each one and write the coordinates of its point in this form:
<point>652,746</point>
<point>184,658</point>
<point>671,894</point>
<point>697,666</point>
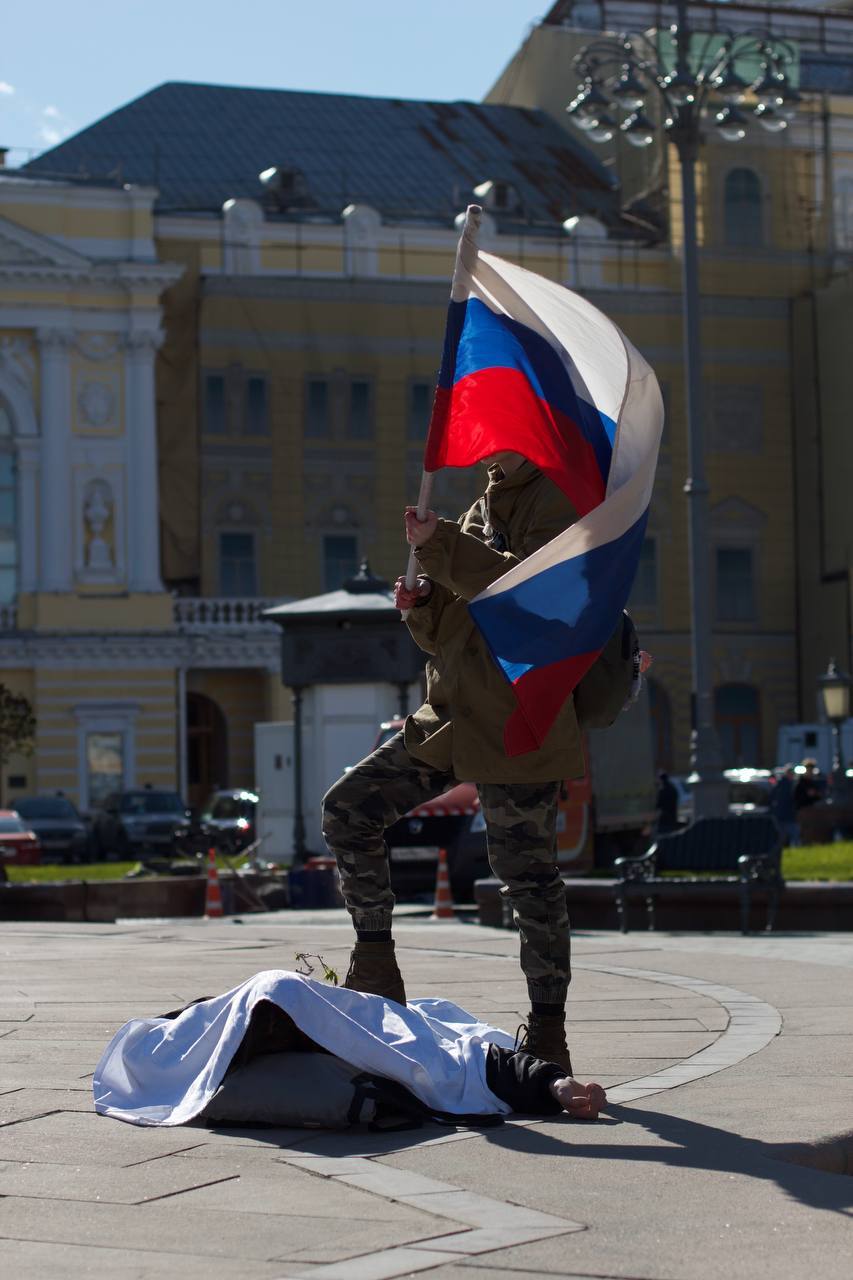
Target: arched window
<point>742,209</point>
<point>736,713</point>
<point>661,713</point>
<point>8,511</point>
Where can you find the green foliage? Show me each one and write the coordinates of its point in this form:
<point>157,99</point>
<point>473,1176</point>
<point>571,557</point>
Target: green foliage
<point>819,862</point>
<point>17,725</point>
<point>304,958</point>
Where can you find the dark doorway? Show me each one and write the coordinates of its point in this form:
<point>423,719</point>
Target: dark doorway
<point>207,748</point>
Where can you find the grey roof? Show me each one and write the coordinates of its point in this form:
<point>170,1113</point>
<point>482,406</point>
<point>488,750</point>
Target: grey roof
<point>339,603</point>
<point>202,144</point>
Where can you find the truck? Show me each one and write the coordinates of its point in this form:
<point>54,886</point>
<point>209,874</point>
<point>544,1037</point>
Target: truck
<point>798,742</point>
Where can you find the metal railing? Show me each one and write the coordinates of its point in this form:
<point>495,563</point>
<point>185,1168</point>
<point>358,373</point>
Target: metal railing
<point>221,613</point>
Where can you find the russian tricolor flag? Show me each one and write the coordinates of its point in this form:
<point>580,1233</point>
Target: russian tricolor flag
<point>531,367</point>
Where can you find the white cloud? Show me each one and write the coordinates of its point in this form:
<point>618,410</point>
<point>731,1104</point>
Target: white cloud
<point>5,87</point>
<point>55,126</point>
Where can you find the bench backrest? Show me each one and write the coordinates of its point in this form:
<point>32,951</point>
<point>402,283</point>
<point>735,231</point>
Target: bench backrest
<point>715,844</point>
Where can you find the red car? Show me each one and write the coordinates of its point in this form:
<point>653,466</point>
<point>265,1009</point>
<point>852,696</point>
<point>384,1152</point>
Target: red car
<point>19,846</point>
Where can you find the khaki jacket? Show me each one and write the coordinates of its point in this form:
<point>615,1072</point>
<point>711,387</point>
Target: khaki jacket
<point>469,700</point>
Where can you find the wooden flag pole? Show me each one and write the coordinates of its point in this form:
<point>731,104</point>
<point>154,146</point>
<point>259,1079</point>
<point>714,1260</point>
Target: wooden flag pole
<point>424,496</point>
<point>465,255</point>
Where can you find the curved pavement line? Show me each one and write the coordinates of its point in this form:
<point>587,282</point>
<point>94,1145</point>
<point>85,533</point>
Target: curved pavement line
<point>753,1024</point>
<point>495,1224</point>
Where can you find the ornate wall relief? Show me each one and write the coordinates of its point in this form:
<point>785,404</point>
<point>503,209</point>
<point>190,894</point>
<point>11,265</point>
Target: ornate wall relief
<point>99,533</point>
<point>97,400</point>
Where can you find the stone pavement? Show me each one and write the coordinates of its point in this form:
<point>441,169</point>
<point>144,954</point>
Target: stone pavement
<point>727,1061</point>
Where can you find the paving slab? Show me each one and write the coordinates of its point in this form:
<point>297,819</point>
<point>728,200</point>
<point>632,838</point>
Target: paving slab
<point>729,1053</point>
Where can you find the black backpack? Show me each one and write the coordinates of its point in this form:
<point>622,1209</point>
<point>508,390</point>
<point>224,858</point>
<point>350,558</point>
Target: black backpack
<point>613,680</point>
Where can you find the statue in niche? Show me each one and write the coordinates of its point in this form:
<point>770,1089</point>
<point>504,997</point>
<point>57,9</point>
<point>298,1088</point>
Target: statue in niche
<point>97,514</point>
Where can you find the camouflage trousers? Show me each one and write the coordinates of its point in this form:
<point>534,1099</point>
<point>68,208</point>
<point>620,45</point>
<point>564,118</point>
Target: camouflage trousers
<point>520,821</point>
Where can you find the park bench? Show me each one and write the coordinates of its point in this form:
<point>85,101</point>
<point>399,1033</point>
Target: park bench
<point>749,845</point>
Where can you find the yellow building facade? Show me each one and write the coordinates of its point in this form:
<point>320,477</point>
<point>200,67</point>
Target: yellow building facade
<point>212,404</point>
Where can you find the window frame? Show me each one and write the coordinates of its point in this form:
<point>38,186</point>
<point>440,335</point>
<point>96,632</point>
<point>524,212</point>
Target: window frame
<point>728,211</point>
<point>226,532</point>
<point>325,538</point>
<point>727,619</point>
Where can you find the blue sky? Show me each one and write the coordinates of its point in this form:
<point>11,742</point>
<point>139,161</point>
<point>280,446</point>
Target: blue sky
<point>64,65</point>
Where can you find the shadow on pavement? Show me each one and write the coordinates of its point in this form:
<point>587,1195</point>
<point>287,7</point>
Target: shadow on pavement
<point>806,1172</point>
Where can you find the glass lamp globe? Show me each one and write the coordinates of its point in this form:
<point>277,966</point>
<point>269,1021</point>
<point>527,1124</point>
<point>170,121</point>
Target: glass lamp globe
<point>681,88</point>
<point>601,129</point>
<point>768,90</point>
<point>638,130</point>
<point>578,110</point>
<point>730,86</point>
<point>791,100</point>
<point>770,118</point>
<point>834,688</point>
<point>731,124</point>
<point>628,91</point>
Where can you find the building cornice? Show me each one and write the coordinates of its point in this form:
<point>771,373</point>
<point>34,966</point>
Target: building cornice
<point>253,648</point>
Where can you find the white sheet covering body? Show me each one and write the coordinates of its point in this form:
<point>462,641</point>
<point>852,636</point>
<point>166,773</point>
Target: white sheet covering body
<point>160,1071</point>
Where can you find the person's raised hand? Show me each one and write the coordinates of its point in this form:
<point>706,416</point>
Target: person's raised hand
<point>583,1101</point>
<point>406,598</point>
<point>419,531</point>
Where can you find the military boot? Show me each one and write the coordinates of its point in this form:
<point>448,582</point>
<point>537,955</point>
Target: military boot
<point>545,1037</point>
<point>373,969</point>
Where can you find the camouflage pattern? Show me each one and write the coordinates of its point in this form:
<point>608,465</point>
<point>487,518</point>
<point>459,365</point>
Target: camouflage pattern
<point>356,812</point>
<point>521,820</point>
<point>521,831</point>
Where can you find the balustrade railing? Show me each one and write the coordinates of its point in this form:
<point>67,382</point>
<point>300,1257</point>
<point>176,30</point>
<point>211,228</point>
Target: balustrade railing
<point>221,613</point>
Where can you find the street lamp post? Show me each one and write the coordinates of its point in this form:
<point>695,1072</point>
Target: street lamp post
<point>834,688</point>
<point>692,81</point>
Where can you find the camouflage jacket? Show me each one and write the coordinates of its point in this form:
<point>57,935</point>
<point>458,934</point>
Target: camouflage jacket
<point>460,726</point>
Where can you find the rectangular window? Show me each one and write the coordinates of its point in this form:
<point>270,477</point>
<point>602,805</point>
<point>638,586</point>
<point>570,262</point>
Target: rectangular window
<point>735,586</point>
<point>214,404</point>
<point>420,406</point>
<point>360,425</point>
<point>257,410</point>
<point>340,560</point>
<point>645,591</point>
<point>317,407</point>
<point>104,766</point>
<point>237,573</point>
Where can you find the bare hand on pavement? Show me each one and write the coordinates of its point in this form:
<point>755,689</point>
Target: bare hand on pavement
<point>583,1101</point>
<point>419,531</point>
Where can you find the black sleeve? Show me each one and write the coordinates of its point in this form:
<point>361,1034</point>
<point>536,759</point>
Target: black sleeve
<point>522,1080</point>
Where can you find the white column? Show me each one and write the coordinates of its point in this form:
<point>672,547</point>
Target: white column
<point>143,506</point>
<point>28,507</point>
<point>55,512</point>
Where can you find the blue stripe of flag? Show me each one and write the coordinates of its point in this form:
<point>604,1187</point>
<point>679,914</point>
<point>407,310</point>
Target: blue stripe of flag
<point>568,609</point>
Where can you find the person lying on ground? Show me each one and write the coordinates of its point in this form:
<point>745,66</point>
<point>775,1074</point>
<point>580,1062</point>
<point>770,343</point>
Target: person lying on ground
<point>286,1049</point>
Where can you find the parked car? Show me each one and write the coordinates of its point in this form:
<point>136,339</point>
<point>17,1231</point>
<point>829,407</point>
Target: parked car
<point>19,846</point>
<point>229,816</point>
<point>133,823</point>
<point>749,792</point>
<point>62,833</point>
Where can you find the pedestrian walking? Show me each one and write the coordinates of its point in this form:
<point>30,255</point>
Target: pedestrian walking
<point>783,806</point>
<point>808,789</point>
<point>456,736</point>
<point>666,805</point>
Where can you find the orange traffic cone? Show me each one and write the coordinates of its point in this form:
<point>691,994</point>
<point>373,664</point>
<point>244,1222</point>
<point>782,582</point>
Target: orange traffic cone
<point>213,894</point>
<point>443,909</point>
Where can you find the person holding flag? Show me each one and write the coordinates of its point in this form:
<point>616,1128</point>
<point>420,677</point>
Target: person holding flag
<point>514,603</point>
